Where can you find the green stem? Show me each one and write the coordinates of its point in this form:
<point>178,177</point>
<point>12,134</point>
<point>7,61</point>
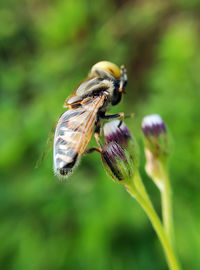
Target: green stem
<point>166,202</point>
<point>149,210</point>
<point>140,187</point>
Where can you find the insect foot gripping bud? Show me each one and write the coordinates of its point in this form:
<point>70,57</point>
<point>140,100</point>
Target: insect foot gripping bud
<point>157,146</point>
<point>117,162</point>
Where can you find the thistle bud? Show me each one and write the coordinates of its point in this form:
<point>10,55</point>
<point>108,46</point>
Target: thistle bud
<point>119,153</point>
<point>157,148</point>
<point>156,138</point>
<point>117,162</point>
<point>122,136</point>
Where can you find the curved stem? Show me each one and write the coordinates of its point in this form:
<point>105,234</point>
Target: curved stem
<point>166,202</point>
<point>149,210</point>
<point>140,187</point>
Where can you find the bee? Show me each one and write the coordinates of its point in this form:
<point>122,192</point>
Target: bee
<point>86,107</point>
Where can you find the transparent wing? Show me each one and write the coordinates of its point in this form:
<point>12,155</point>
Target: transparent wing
<point>47,147</point>
<point>74,131</point>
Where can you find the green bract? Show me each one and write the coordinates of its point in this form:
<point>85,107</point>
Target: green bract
<point>117,162</point>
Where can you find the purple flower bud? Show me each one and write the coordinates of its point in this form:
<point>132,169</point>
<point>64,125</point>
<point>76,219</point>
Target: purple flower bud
<point>156,137</point>
<point>120,135</point>
<point>119,153</point>
<point>117,162</point>
<point>153,125</point>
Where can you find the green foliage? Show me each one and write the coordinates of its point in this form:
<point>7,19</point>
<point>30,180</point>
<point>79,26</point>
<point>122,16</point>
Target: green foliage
<point>89,222</point>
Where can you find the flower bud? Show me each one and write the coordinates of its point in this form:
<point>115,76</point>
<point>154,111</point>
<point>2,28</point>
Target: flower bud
<point>157,148</point>
<point>117,162</point>
<point>122,136</point>
<point>119,152</point>
<point>156,138</point>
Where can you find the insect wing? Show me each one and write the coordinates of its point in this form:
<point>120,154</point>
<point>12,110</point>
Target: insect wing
<point>73,132</point>
<point>84,87</point>
<point>48,146</point>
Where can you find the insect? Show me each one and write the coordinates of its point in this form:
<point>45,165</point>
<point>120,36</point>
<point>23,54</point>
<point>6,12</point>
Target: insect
<point>86,107</point>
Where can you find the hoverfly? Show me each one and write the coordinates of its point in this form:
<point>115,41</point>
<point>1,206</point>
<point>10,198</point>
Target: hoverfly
<point>86,107</point>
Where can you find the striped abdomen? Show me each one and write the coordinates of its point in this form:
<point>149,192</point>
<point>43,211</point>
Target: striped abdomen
<point>73,132</point>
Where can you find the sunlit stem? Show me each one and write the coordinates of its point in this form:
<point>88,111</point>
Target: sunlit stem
<point>166,201</point>
<point>140,187</point>
<point>149,210</point>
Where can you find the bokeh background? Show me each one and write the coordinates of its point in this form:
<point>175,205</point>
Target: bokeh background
<point>89,222</point>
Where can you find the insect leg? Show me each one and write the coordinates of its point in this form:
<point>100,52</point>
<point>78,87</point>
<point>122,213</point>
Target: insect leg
<point>114,116</point>
<point>122,117</point>
<point>111,116</point>
<point>96,135</point>
<point>117,115</point>
<point>97,131</point>
<point>91,150</point>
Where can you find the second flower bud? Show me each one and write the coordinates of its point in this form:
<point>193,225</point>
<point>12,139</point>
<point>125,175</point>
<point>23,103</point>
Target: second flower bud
<point>118,154</point>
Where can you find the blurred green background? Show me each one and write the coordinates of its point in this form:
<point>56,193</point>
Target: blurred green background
<point>89,222</point>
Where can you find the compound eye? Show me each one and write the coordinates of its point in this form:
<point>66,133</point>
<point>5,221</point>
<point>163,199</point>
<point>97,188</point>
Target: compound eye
<point>111,68</point>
